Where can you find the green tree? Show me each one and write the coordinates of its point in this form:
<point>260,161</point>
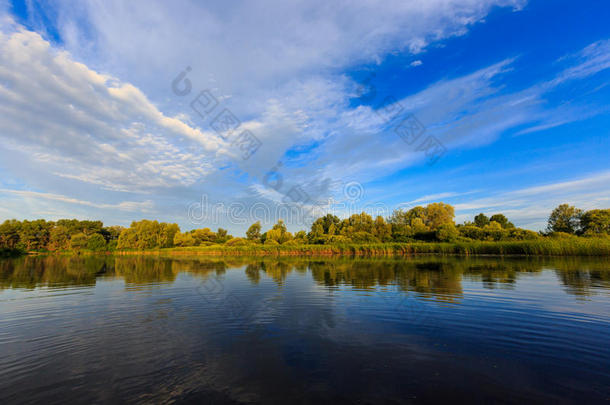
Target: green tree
<point>278,233</point>
<point>254,232</point>
<point>447,233</point>
<point>59,238</point>
<point>146,234</point>
<point>418,226</point>
<point>166,234</point>
<point>9,233</point>
<point>280,226</point>
<point>382,230</point>
<point>316,235</point>
<point>329,223</point>
<point>301,237</point>
<point>481,220</point>
<point>362,222</point>
<point>96,242</point>
<point>203,235</point>
<point>438,214</point>
<point>34,235</point>
<point>596,222</point>
<point>565,218</point>
<point>502,220</point>
<point>222,235</point>
<point>184,239</point>
<point>111,232</point>
<point>78,241</point>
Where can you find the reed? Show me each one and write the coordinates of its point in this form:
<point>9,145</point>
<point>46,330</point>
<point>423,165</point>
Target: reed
<point>541,247</point>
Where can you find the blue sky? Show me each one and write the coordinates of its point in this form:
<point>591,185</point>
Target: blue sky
<point>514,92</point>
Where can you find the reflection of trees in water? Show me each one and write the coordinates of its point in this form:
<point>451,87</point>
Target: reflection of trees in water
<point>30,272</point>
<point>581,277</point>
<point>440,277</point>
<point>144,270</point>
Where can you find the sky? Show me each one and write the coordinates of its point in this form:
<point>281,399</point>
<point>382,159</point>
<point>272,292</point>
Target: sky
<point>215,115</point>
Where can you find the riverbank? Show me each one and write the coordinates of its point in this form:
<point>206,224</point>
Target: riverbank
<point>550,247</point>
<point>543,247</point>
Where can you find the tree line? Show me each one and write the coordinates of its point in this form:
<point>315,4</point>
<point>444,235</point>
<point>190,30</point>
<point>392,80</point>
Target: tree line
<point>433,223</point>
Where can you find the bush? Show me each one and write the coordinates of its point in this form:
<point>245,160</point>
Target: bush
<point>522,234</point>
<point>472,232</point>
<point>271,242</point>
<point>447,233</point>
<point>364,237</point>
<point>237,242</point>
<point>96,242</point>
<point>78,241</point>
<point>293,242</point>
<point>339,239</point>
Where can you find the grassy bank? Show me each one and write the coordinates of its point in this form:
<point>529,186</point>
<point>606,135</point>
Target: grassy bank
<point>576,246</point>
<point>545,247</point>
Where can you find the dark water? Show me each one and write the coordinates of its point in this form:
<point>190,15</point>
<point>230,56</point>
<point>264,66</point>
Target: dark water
<point>291,331</point>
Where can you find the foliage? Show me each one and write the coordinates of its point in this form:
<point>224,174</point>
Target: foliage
<point>596,222</point>
<point>238,242</point>
<point>278,234</point>
<point>565,218</point>
<point>78,241</point>
<point>502,220</point>
<point>146,234</point>
<point>447,233</point>
<point>184,239</point>
<point>96,242</point>
<point>541,246</point>
<point>254,232</point>
<point>271,242</point>
<point>481,220</point>
<point>432,223</point>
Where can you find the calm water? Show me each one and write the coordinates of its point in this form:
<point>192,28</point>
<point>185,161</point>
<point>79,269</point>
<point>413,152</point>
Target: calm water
<point>290,331</point>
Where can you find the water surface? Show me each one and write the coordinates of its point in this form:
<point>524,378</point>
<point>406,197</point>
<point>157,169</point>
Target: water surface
<point>290,331</point>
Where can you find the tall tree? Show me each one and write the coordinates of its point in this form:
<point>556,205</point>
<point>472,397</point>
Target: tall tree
<point>596,222</point>
<point>254,232</point>
<point>481,220</point>
<point>438,214</point>
<point>502,220</point>
<point>565,218</point>
<point>9,233</point>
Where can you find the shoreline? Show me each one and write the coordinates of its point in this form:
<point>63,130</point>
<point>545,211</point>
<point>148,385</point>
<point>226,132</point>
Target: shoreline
<point>556,247</point>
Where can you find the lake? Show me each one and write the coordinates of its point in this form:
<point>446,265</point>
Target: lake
<point>145,329</point>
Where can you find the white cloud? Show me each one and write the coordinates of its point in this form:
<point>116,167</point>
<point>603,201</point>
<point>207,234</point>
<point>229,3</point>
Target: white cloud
<point>589,61</point>
<point>95,114</point>
<point>85,125</point>
<point>123,206</point>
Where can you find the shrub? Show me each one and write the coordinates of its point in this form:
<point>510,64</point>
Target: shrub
<point>271,242</point>
<point>237,242</point>
<point>293,242</point>
<point>78,241</point>
<point>447,233</point>
<point>364,237</point>
<point>96,242</point>
<point>184,239</point>
<point>339,239</point>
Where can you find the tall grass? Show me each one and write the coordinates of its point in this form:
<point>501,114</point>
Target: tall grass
<point>541,247</point>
